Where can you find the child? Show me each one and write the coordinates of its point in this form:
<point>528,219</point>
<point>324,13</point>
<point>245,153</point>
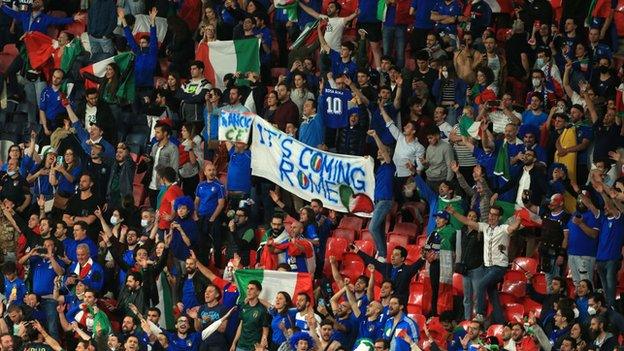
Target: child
<point>14,287</point>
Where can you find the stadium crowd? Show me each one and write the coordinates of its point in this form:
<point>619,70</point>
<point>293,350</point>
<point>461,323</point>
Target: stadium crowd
<point>496,131</point>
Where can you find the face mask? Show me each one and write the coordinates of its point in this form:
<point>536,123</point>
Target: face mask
<point>576,313</point>
<point>536,82</point>
<point>539,63</point>
<point>445,74</point>
<point>11,173</point>
<point>603,69</point>
<point>591,310</point>
<point>114,220</point>
<point>144,223</point>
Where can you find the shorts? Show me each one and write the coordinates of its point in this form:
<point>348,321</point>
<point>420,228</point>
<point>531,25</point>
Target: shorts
<point>373,30</point>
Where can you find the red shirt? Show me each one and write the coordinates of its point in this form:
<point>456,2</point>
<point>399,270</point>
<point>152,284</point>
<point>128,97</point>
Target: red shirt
<point>166,204</point>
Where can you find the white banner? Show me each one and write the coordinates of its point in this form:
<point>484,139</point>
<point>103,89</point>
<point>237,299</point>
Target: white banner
<point>235,126</point>
<point>344,183</point>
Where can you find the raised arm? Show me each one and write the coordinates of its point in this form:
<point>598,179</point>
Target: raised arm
<point>394,130</point>
<point>383,149</point>
<point>310,11</point>
<point>566,79</point>
<point>463,219</point>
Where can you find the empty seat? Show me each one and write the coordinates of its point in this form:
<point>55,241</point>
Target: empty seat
<point>411,230</point>
<point>397,239</point>
<point>351,222</point>
<point>336,247</point>
<point>514,312</point>
<point>367,246</point>
<point>458,284</point>
<point>367,235</point>
<point>413,253</point>
<point>532,306</point>
<point>352,269</point>
<point>516,288</point>
<point>345,233</point>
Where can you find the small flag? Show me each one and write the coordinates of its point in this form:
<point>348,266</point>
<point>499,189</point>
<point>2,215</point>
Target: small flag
<point>142,27</point>
<point>382,8</point>
<point>308,36</point>
<point>291,7</point>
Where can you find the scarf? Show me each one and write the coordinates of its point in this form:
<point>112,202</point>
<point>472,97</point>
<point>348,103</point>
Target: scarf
<point>501,168</point>
<point>83,271</point>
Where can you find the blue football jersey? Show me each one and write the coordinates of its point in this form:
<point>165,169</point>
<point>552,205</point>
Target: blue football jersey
<point>334,107</point>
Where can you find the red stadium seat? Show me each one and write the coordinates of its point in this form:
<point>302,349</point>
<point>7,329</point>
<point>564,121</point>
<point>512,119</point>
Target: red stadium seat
<point>421,240</point>
<point>352,269</point>
<point>398,239</point>
<point>367,235</point>
<point>514,312</point>
<point>514,276</point>
<point>413,253</point>
<point>529,264</point>
<point>495,330</point>
<point>530,305</point>
<point>415,300</point>
<point>367,246</point>
<point>336,247</point>
<point>351,222</point>
<point>345,233</point>
<point>411,230</point>
<point>516,288</point>
<point>420,320</point>
<point>464,324</point>
<point>506,298</point>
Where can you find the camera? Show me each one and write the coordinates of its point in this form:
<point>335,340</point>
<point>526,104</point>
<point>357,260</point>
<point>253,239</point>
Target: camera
<point>41,250</point>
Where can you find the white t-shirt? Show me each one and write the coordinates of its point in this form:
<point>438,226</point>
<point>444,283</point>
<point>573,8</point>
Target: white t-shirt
<point>90,112</point>
<point>523,184</point>
<point>333,32</point>
<point>404,152</point>
<point>492,239</point>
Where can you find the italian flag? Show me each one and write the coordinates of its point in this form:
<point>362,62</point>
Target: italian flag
<point>165,302</point>
<point>142,27</point>
<point>382,8</point>
<point>500,6</point>
<point>44,53</point>
<point>228,56</point>
<point>273,282</point>
<point>95,74</point>
<point>308,36</point>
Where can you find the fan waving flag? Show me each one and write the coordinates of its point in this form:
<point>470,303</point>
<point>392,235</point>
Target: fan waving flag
<point>125,61</point>
<point>228,56</point>
<point>273,282</point>
<point>39,49</point>
<point>308,36</point>
<point>142,27</point>
<point>382,8</point>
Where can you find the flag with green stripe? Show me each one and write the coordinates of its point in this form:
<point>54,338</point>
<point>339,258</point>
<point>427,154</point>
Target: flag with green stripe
<point>382,8</point>
<point>273,282</point>
<point>229,56</point>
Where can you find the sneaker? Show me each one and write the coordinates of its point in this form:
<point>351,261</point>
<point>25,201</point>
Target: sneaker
<point>479,318</point>
<point>381,259</point>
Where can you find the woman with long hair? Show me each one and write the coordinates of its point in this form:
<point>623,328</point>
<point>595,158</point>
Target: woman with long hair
<point>281,319</point>
<point>64,176</point>
<point>190,158</point>
<point>450,92</point>
<point>271,106</point>
<point>485,88</point>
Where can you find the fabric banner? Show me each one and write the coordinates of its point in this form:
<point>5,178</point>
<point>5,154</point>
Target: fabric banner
<point>273,282</point>
<point>344,183</point>
<point>235,126</point>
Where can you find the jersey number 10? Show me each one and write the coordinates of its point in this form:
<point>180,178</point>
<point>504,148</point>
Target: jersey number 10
<point>334,105</point>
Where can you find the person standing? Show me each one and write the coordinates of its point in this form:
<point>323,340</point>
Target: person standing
<point>210,202</point>
<point>253,327</point>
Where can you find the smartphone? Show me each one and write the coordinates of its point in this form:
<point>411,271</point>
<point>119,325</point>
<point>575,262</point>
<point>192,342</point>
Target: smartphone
<point>59,160</point>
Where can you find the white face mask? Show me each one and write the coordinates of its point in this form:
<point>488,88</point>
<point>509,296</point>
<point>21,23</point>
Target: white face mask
<point>114,220</point>
<point>576,313</point>
<point>445,74</point>
<point>591,310</point>
<point>144,223</point>
<point>11,173</point>
<point>539,63</point>
<point>536,82</point>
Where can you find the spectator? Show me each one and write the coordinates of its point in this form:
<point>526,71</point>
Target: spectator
<point>164,155</point>
<point>120,183</point>
<point>193,93</point>
<point>254,325</point>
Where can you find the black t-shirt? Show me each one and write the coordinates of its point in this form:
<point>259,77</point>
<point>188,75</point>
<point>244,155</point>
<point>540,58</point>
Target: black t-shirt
<point>37,346</point>
<point>82,208</point>
<point>100,173</point>
<point>208,315</point>
<point>516,46</point>
<point>14,189</point>
<point>605,139</point>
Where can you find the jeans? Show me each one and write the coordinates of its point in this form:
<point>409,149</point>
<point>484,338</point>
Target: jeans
<point>554,271</point>
<point>434,278</point>
<point>32,92</point>
<point>48,306</point>
<point>396,35</point>
<point>581,267</point>
<point>491,277</point>
<point>376,224</point>
<point>470,283</point>
<point>101,48</point>
<point>607,271</point>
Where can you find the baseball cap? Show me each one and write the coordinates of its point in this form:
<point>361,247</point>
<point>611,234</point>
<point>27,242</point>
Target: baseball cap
<point>442,214</point>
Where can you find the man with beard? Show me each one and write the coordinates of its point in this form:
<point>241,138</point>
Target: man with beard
<point>241,236</point>
<point>370,325</point>
<point>183,339</point>
<point>44,268</point>
<point>276,234</point>
<point>299,250</point>
<point>253,327</point>
<point>132,294</point>
<point>398,325</point>
<point>602,339</point>
<point>207,314</point>
<point>385,293</point>
<point>100,168</point>
<point>191,287</point>
<point>518,340</point>
<point>130,329</point>
<point>324,338</point>
<point>96,111</point>
<point>95,134</point>
<point>564,317</point>
<point>84,314</point>
<point>81,206</point>
<point>532,178</point>
<point>7,342</point>
<point>557,290</point>
<point>345,323</point>
<point>304,309</point>
<point>119,184</point>
<point>596,306</point>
